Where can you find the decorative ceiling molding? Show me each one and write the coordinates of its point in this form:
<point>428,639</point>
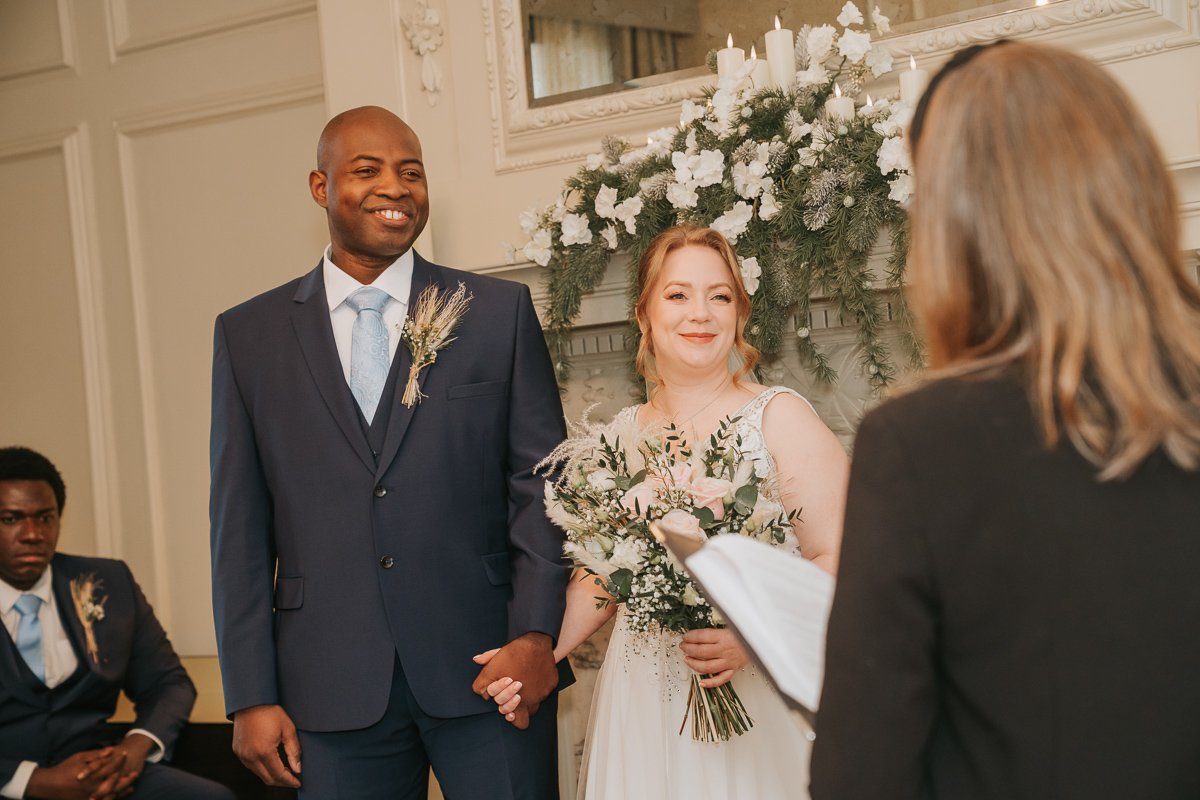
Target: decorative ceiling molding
<point>527,138</point>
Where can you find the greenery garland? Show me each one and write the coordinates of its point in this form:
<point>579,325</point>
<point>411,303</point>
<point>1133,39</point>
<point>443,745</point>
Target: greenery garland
<point>802,195</point>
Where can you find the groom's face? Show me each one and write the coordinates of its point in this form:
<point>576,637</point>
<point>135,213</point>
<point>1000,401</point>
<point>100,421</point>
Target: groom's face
<point>372,184</point>
<point>28,531</point>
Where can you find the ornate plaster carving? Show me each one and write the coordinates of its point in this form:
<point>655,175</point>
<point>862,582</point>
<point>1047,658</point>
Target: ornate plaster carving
<point>424,32</point>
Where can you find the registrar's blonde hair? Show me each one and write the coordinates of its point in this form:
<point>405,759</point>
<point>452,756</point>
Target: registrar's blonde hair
<point>1045,237</point>
<point>650,271</point>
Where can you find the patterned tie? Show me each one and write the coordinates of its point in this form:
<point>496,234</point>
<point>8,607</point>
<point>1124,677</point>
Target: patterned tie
<point>29,634</point>
<point>368,348</point>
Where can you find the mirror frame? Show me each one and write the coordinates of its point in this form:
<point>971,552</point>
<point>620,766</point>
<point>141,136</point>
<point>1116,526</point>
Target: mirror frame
<point>527,137</point>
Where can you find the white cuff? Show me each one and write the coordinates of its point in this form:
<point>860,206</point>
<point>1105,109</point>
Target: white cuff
<point>15,788</point>
<point>155,755</point>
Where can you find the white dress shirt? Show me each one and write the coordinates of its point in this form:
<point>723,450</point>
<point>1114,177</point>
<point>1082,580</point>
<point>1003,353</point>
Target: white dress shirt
<point>396,280</point>
<point>58,657</point>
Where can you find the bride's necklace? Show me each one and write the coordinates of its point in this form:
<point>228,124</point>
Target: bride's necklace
<point>673,418</point>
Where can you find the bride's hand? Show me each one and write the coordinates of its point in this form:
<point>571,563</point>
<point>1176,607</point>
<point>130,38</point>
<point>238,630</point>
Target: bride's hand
<point>715,652</point>
<point>503,690</point>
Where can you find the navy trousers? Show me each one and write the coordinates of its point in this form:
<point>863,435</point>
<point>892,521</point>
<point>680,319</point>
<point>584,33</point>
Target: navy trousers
<point>161,782</point>
<point>475,757</point>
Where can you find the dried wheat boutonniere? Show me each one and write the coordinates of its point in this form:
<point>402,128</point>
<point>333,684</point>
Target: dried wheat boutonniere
<point>89,607</point>
<point>429,329</point>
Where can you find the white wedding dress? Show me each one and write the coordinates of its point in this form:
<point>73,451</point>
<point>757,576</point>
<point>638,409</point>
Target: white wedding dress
<point>634,750</point>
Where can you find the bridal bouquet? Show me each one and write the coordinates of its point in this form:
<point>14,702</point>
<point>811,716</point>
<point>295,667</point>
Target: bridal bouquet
<point>613,483</point>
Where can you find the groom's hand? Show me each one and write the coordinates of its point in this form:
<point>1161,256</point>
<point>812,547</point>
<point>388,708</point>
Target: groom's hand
<point>528,659</point>
<point>258,733</point>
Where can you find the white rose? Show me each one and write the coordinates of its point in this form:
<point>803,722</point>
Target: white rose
<point>733,222</point>
<point>626,554</point>
<point>682,523</point>
<point>751,272</point>
<point>575,229</point>
<point>690,596</point>
<point>537,249</point>
<point>850,15</point>
<point>820,42</point>
<point>854,45</point>
<point>606,199</point>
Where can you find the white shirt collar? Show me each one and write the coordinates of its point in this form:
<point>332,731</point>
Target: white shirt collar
<point>9,594</point>
<point>396,280</point>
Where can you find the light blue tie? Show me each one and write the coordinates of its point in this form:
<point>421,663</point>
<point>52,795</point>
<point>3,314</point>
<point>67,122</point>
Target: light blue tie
<point>29,634</point>
<point>368,348</point>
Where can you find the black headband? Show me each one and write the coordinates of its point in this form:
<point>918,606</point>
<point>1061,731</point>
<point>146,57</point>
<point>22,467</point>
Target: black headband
<point>956,62</point>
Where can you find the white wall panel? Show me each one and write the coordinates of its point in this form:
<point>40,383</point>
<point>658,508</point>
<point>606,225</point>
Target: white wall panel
<point>33,37</point>
<point>144,24</point>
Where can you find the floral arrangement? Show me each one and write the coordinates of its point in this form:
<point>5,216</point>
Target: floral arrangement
<point>429,329</point>
<point>803,195</point>
<point>89,607</point>
<point>606,497</point>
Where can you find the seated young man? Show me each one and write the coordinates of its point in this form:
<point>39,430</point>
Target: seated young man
<point>79,631</point>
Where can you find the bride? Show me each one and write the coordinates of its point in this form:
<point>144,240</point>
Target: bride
<point>692,311</point>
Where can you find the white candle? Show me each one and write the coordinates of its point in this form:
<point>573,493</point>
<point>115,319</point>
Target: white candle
<point>781,55</point>
<point>729,60</point>
<point>912,83</point>
<point>839,107</point>
<point>760,73</point>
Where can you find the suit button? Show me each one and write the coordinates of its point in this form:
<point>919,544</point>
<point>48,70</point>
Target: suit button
<point>380,491</point>
<point>387,562</point>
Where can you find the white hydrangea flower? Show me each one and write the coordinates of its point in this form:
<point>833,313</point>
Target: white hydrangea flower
<point>575,229</point>
<point>893,155</point>
<point>690,113</point>
<point>751,272</point>
<point>606,200</point>
<point>879,60</point>
<point>560,208</point>
<point>820,43</point>
<point>888,126</point>
<point>723,105</point>
<point>901,188</point>
<point>813,76</point>
<point>537,249</point>
<point>749,179</point>
<point>529,221</point>
<point>797,127</point>
<point>806,156</point>
<point>596,161</point>
<point>850,15</point>
<point>733,222</point>
<point>682,195</point>
<point>709,167</point>
<point>881,23</point>
<point>768,206</point>
<point>689,143</point>
<point>627,212</point>
<point>510,253</point>
<point>854,45</point>
<point>609,234</point>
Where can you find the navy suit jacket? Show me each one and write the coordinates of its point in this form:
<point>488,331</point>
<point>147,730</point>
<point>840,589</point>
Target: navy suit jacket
<point>329,560</point>
<point>46,726</point>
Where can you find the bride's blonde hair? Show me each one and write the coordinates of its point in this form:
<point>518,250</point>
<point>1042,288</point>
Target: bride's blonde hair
<point>744,355</point>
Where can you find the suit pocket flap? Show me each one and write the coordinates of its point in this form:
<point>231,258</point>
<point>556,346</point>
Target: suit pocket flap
<point>497,567</point>
<point>476,389</point>
<point>289,592</point>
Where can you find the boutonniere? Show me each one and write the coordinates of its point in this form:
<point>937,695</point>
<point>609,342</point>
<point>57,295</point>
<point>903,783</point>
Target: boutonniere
<point>429,329</point>
<point>89,607</point>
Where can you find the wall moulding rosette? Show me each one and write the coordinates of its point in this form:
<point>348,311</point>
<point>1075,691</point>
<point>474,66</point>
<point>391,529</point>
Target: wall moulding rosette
<point>527,138</point>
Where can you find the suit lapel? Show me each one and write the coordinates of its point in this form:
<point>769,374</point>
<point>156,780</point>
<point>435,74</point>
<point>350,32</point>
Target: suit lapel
<point>424,274</point>
<point>310,318</point>
<point>61,584</point>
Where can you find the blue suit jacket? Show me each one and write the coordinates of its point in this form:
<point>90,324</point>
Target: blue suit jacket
<point>46,726</point>
<point>305,516</point>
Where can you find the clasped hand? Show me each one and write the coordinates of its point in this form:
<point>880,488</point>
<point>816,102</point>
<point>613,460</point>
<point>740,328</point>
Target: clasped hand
<point>103,774</point>
<point>524,671</point>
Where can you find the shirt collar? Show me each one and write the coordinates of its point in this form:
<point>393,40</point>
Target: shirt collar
<point>9,594</point>
<point>396,280</point>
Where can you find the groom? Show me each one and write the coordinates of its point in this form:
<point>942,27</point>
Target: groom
<point>364,550</point>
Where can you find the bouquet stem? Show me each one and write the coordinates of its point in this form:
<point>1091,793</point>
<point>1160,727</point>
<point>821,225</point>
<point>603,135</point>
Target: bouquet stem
<point>717,714</point>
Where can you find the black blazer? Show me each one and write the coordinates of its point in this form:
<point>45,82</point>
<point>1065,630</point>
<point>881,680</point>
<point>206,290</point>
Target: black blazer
<point>328,559</point>
<point>46,726</point>
<point>1006,626</point>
